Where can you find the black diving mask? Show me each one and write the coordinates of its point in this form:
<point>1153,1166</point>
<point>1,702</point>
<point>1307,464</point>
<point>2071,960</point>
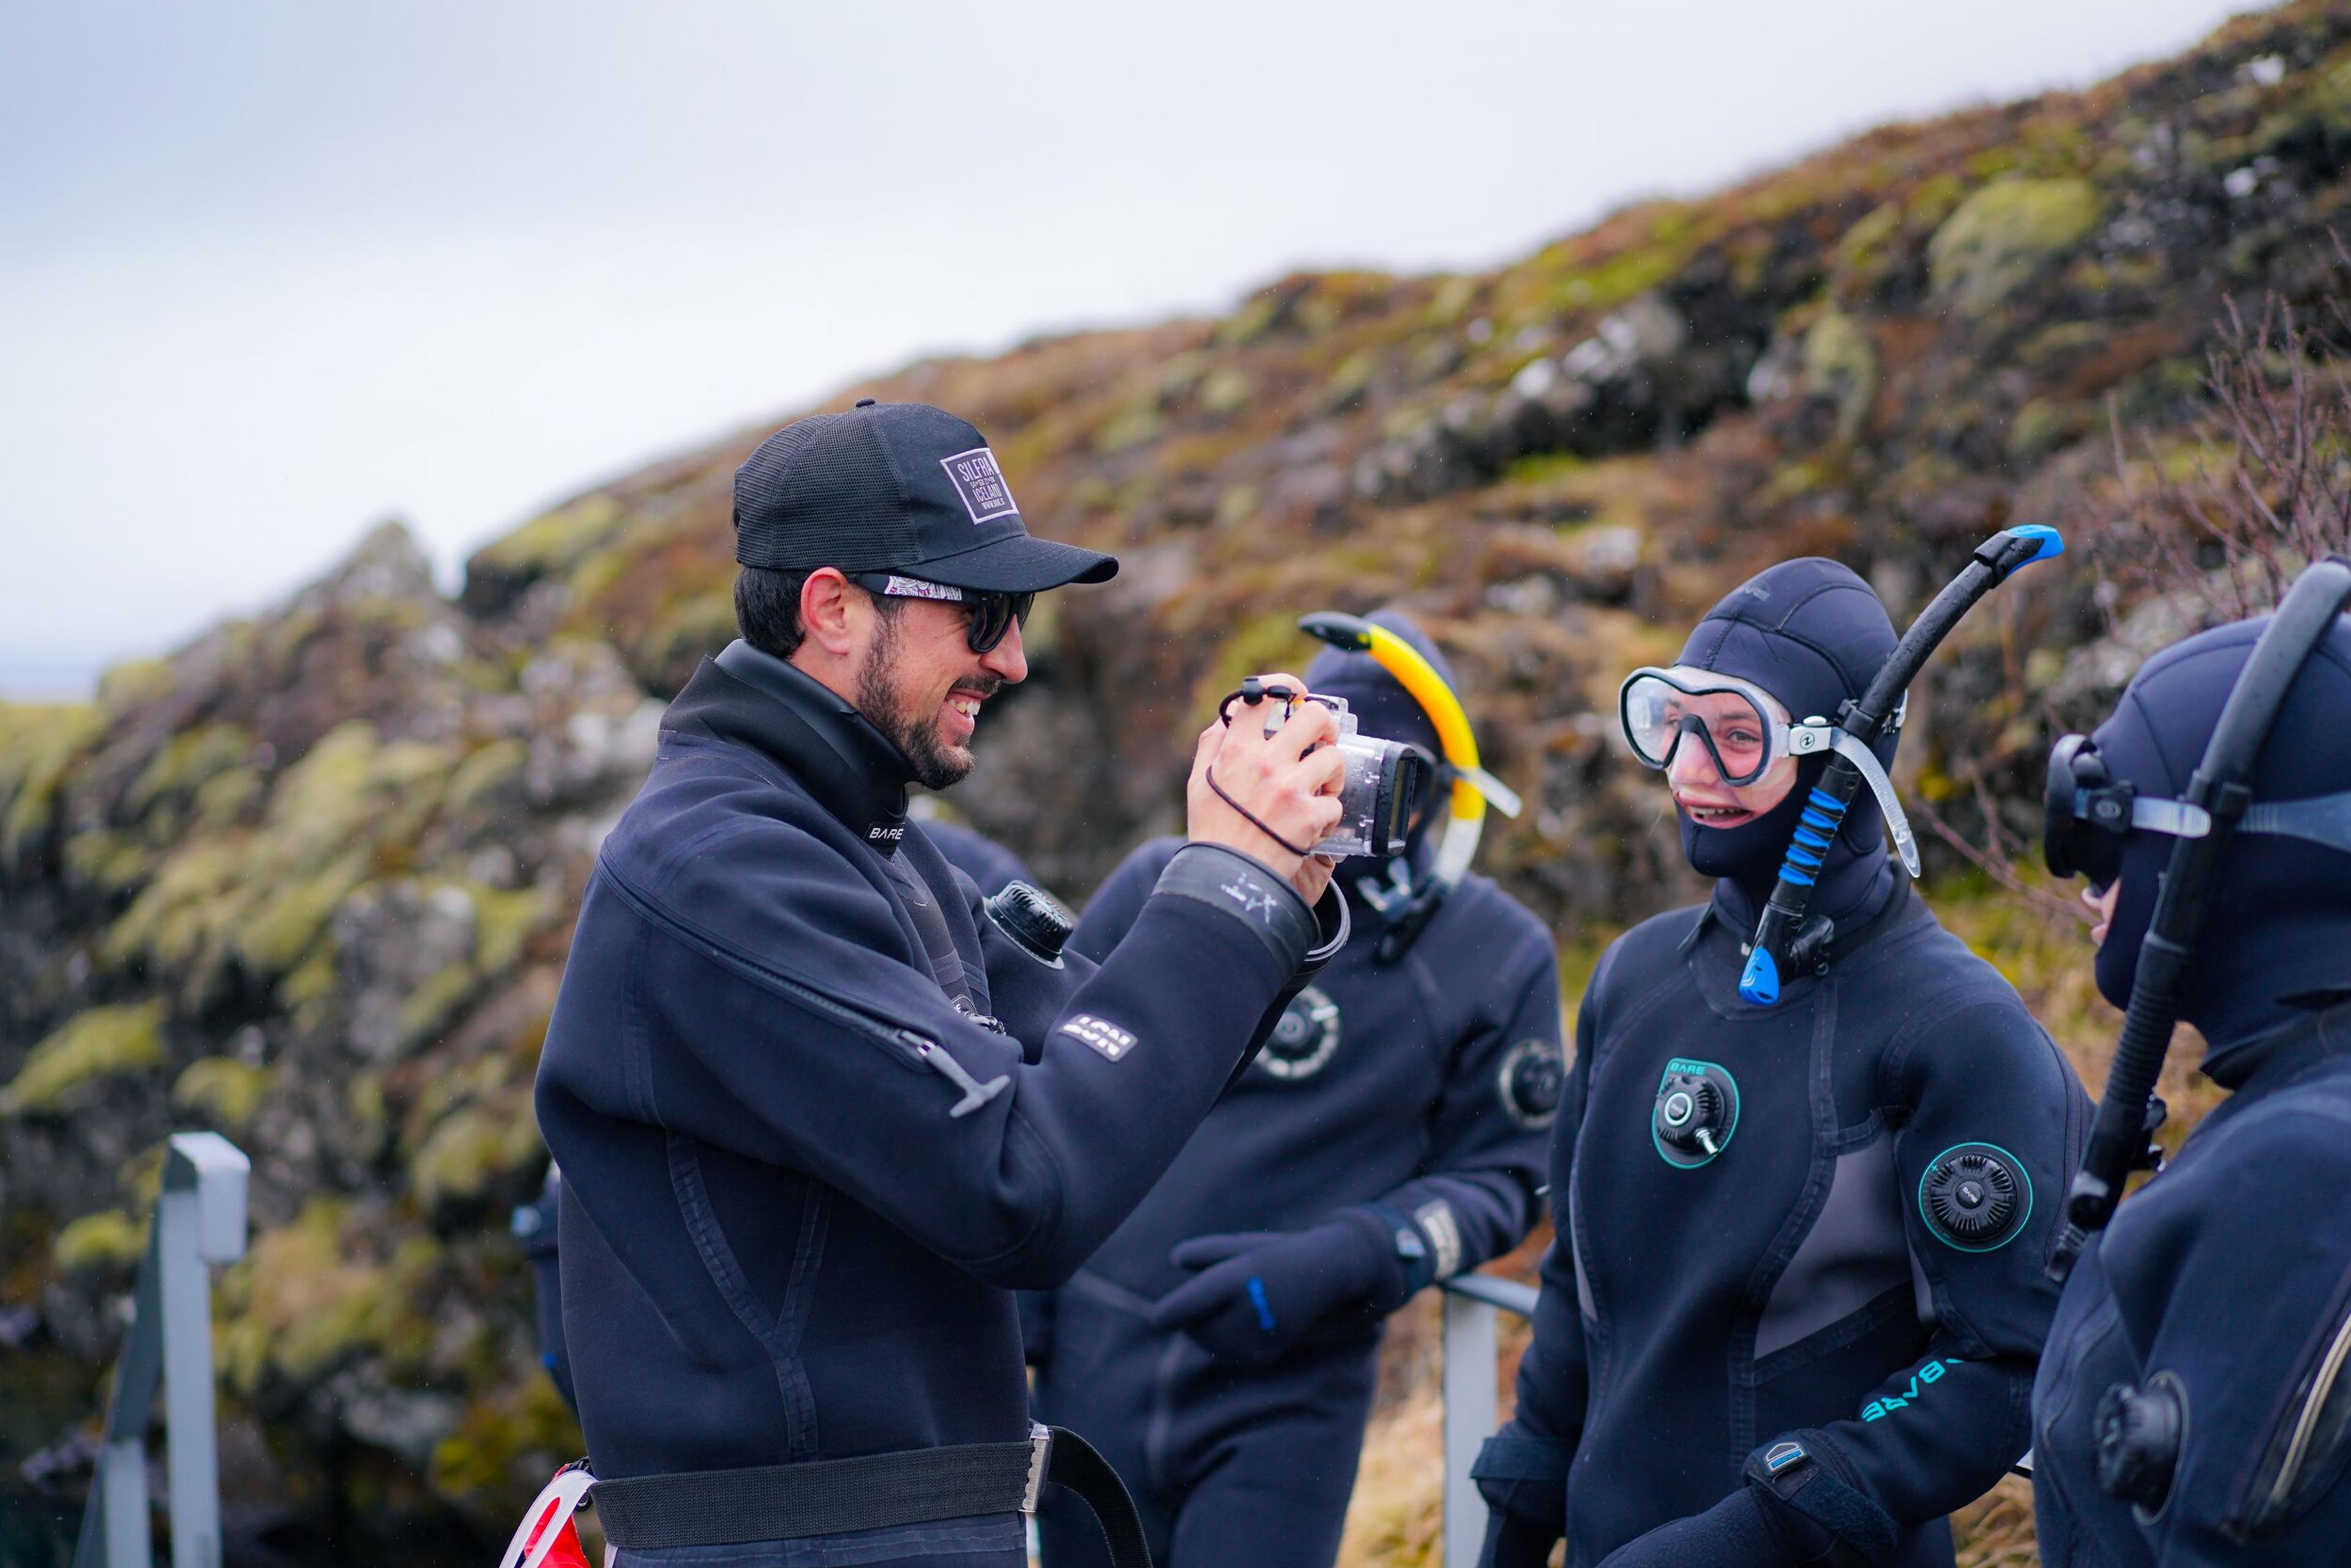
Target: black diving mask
<point>2087,815</point>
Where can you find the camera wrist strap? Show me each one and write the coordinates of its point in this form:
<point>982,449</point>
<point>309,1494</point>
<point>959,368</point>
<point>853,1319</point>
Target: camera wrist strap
<point>1251,816</point>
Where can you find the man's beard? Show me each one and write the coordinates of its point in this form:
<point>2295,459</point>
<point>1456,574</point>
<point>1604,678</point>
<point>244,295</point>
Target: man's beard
<point>935,765</point>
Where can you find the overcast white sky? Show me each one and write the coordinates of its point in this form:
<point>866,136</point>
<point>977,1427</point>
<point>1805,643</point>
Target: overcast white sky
<point>270,271</point>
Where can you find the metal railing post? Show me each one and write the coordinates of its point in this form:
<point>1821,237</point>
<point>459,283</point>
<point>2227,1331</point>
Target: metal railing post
<point>1470,1304</point>
<point>200,1219</point>
<point>1468,1421</point>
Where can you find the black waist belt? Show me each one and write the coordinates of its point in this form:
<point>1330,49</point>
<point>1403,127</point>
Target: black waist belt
<point>833,1497</point>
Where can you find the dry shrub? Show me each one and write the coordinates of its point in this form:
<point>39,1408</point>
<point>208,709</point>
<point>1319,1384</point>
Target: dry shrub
<point>2263,487</point>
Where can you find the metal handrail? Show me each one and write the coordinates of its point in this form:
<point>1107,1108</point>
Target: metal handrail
<point>1472,1301</point>
<point>200,1219</point>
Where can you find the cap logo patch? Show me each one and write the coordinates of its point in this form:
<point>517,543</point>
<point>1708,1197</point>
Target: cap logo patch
<point>980,482</point>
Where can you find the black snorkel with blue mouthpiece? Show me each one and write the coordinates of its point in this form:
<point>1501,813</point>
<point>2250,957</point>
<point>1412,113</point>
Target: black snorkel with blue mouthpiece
<point>1786,942</point>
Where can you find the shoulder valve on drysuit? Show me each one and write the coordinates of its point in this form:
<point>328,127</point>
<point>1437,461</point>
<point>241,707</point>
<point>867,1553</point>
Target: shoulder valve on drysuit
<point>2216,805</point>
<point>1785,940</point>
<point>1473,787</point>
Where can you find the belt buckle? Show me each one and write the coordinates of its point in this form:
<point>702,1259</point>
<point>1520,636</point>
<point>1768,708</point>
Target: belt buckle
<point>1040,1453</point>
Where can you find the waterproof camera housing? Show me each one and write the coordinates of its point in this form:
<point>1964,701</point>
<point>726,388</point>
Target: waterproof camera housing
<point>1386,782</point>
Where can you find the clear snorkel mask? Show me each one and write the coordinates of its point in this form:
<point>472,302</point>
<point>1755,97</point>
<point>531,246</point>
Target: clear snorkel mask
<point>1745,731</point>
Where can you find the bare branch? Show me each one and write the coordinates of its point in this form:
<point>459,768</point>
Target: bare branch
<point>2001,872</point>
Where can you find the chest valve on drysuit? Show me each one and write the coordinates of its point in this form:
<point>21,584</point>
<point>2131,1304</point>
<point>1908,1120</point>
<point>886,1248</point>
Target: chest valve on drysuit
<point>1697,1110</point>
<point>2139,1432</point>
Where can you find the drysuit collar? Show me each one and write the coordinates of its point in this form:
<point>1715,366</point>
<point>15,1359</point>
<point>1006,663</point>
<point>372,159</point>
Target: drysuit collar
<point>748,697</point>
<point>2277,941</point>
<point>1812,633</point>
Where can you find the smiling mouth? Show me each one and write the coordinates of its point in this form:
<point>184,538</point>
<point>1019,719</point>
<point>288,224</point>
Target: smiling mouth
<point>966,706</point>
<point>1717,816</point>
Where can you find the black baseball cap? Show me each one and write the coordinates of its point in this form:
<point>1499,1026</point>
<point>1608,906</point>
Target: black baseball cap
<point>895,486</point>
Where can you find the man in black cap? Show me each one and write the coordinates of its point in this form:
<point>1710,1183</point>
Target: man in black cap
<point>816,1105</point>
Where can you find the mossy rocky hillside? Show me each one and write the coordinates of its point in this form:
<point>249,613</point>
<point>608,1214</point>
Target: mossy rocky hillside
<point>308,879</point>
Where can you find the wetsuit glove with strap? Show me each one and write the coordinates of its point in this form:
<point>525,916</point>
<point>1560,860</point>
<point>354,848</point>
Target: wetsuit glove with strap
<point>1751,1527</point>
<point>1256,1293</point>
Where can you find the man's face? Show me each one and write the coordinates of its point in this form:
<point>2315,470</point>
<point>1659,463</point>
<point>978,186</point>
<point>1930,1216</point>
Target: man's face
<point>920,684</point>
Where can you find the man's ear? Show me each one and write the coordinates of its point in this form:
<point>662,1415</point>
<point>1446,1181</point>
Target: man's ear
<point>831,611</point>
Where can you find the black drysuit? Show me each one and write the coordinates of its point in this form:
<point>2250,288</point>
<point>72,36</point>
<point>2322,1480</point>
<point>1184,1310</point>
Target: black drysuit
<point>986,862</point>
<point>2224,1285</point>
<point>1394,1087</point>
<point>1792,1286</point>
<point>799,1179</point>
<point>1406,1099</point>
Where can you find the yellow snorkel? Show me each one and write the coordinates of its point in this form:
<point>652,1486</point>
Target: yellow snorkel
<point>1473,788</point>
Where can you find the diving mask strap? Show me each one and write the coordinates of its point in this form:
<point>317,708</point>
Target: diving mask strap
<point>2324,819</point>
<point>1864,761</point>
<point>2320,820</point>
<point>1815,735</point>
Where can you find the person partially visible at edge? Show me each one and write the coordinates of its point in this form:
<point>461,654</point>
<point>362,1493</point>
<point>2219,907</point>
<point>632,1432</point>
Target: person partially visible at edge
<point>1221,1347</point>
<point>2193,1405</point>
<point>816,1113</point>
<point>1799,1287</point>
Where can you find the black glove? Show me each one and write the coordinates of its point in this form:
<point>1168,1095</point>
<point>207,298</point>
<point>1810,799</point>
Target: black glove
<point>1257,1292</point>
<point>1751,1528</point>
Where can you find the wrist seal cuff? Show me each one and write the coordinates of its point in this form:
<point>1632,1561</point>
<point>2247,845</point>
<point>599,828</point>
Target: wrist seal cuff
<point>1249,891</point>
<point>1790,1469</point>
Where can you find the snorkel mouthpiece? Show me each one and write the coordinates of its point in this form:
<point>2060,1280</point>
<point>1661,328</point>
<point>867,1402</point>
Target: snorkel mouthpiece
<point>2048,544</point>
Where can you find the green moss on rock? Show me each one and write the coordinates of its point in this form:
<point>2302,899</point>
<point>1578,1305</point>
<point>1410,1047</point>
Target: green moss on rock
<point>485,770</point>
<point>1841,364</point>
<point>301,1305</point>
<point>188,761</point>
<point>508,1442</point>
<point>103,1042</point>
<point>503,922</point>
<point>279,932</point>
<point>38,744</point>
<point>108,1241</point>
<point>554,541</point>
<point>472,1148</point>
<point>224,1090</point>
<point>111,861</point>
<point>2003,235</point>
<point>1226,391</point>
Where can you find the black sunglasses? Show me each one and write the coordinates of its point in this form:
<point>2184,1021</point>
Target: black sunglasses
<point>992,614</point>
